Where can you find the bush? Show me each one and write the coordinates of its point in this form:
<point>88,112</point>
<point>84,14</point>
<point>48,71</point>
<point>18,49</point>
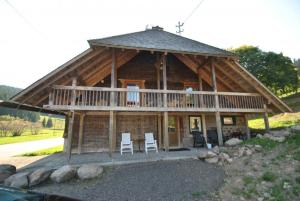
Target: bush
<point>18,127</point>
<point>269,176</point>
<point>35,128</point>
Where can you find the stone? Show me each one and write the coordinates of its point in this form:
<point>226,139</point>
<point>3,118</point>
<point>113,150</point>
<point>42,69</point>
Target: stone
<point>19,180</point>
<point>258,148</point>
<point>260,136</point>
<point>89,171</point>
<point>248,152</point>
<point>260,199</point>
<point>241,151</point>
<point>225,157</point>
<point>280,133</point>
<point>295,128</point>
<point>212,160</point>
<point>216,149</point>
<point>6,170</point>
<point>233,142</point>
<point>210,154</point>
<point>286,185</point>
<point>63,174</point>
<point>274,138</point>
<point>39,176</point>
<point>202,155</point>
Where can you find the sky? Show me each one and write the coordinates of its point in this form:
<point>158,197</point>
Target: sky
<point>37,36</point>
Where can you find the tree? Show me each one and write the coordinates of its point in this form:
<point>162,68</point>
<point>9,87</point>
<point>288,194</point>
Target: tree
<point>49,123</point>
<point>274,70</point>
<point>44,123</point>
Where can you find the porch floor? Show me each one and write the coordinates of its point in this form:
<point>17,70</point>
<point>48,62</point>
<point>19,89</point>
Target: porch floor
<point>60,159</point>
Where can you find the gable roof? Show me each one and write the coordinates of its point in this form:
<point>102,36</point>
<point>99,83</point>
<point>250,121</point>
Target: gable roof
<point>157,39</point>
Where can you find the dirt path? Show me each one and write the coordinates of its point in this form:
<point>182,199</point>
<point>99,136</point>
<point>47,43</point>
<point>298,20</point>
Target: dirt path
<point>8,151</point>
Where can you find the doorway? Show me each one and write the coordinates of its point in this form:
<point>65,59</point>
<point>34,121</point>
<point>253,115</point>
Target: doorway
<point>173,130</point>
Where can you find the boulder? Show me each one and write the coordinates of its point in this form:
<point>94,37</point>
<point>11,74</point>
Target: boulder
<point>280,133</point>
<point>260,136</point>
<point>241,152</point>
<point>6,170</point>
<point>258,148</point>
<point>212,160</point>
<point>274,138</point>
<point>233,142</point>
<point>210,154</point>
<point>216,149</point>
<point>295,128</point>
<point>39,176</point>
<point>19,180</point>
<point>63,174</point>
<point>202,155</point>
<point>248,152</point>
<point>89,171</point>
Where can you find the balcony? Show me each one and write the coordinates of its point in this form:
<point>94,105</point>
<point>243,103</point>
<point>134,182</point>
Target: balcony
<point>122,99</point>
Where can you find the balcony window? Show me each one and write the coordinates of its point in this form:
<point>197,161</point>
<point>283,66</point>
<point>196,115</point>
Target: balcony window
<point>133,97</point>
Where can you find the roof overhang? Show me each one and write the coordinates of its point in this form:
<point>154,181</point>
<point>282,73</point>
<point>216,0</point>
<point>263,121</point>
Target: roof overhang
<point>20,106</point>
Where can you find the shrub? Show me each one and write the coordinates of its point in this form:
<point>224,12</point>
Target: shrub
<point>269,176</point>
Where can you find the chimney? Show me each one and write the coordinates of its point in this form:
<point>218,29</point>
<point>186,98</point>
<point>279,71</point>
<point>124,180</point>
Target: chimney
<point>158,28</point>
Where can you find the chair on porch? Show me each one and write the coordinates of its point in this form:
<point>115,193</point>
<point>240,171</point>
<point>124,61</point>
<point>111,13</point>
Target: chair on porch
<point>212,137</point>
<point>126,143</point>
<point>150,143</point>
<point>199,140</point>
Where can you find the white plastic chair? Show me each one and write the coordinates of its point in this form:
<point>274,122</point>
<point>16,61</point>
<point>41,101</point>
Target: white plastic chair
<point>126,143</point>
<point>150,143</point>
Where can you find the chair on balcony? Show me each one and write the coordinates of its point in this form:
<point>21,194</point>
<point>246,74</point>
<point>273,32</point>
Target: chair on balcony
<point>126,143</point>
<point>150,143</point>
<point>199,140</point>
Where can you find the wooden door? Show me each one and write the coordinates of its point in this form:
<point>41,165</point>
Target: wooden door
<point>173,130</point>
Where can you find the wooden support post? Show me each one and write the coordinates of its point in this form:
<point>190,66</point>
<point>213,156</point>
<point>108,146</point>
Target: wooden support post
<point>166,133</point>
<point>51,97</point>
<point>73,98</point>
<point>200,81</point>
<point>204,127</point>
<point>80,139</point>
<point>218,118</point>
<point>112,114</point>
<point>159,130</point>
<point>219,128</point>
<point>247,127</point>
<point>70,135</point>
<point>166,121</point>
<point>266,119</point>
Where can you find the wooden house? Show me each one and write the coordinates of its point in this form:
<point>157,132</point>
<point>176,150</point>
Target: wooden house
<point>151,81</point>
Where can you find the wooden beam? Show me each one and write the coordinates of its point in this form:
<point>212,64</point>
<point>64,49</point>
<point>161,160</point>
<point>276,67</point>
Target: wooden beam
<point>112,132</point>
<point>266,119</point>
<point>166,132</point>
<point>219,128</point>
<point>159,130</point>
<point>81,126</point>
<point>247,126</point>
<point>70,135</point>
<point>204,127</point>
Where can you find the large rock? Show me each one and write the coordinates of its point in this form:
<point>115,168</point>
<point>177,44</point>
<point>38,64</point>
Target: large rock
<point>202,155</point>
<point>274,138</point>
<point>296,128</point>
<point>89,171</point>
<point>63,174</point>
<point>6,170</point>
<point>19,180</point>
<point>280,133</point>
<point>39,176</point>
<point>216,149</point>
<point>233,142</point>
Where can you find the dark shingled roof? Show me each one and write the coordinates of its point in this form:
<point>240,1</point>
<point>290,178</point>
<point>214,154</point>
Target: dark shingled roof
<point>158,40</point>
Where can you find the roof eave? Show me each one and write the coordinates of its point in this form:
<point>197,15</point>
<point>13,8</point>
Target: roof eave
<point>95,44</point>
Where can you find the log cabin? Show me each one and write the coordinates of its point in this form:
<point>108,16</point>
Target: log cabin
<point>151,81</point>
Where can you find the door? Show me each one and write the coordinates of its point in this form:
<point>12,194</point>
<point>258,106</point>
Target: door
<point>173,130</point>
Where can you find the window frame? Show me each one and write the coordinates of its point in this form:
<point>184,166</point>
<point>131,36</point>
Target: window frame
<point>201,125</point>
<point>233,120</point>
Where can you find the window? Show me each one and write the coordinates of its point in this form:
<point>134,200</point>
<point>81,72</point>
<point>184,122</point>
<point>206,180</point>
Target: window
<point>133,96</point>
<point>195,124</point>
<point>228,120</point>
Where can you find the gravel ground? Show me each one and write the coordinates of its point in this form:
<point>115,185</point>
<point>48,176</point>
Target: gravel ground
<point>163,180</point>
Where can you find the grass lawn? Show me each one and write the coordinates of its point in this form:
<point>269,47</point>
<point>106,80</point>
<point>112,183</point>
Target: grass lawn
<point>49,151</point>
<point>43,134</point>
<point>277,121</point>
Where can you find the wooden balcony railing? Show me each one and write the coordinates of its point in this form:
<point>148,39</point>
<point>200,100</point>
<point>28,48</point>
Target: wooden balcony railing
<point>122,99</point>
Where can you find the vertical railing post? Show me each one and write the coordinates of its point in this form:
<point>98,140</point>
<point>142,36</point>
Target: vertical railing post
<point>266,118</point>
<point>51,97</point>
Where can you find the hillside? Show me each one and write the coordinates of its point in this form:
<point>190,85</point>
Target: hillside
<point>293,101</point>
<point>6,92</point>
